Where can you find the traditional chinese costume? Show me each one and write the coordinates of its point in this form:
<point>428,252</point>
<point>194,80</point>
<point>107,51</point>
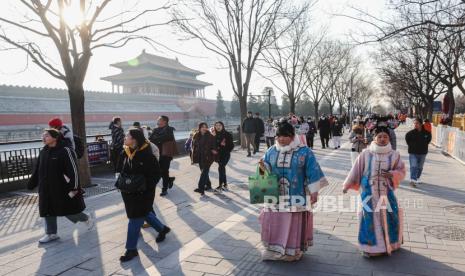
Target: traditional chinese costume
<point>381,218</point>
<point>288,232</point>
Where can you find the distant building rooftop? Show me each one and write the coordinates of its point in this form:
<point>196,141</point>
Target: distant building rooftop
<point>148,59</point>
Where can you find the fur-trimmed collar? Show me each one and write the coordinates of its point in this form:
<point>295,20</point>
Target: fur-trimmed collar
<point>380,149</point>
<point>292,146</point>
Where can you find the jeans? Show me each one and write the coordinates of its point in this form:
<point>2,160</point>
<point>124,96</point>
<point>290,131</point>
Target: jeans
<point>51,222</point>
<point>250,140</point>
<point>165,171</point>
<point>269,142</point>
<point>204,181</point>
<point>134,226</point>
<point>224,159</point>
<point>416,165</point>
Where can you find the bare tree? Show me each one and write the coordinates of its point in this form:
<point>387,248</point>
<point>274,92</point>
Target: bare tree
<point>412,63</point>
<point>289,55</point>
<point>413,17</point>
<point>339,65</point>
<point>446,15</point>
<point>322,71</point>
<point>363,92</point>
<point>237,31</point>
<point>48,25</point>
<point>396,97</point>
<point>345,83</point>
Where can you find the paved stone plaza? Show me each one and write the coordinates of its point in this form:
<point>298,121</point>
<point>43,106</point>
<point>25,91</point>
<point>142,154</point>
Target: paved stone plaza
<point>219,234</point>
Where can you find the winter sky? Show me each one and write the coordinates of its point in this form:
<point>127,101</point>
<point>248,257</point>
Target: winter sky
<point>15,70</point>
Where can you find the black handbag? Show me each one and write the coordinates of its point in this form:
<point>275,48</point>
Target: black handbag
<point>131,183</point>
<point>134,183</point>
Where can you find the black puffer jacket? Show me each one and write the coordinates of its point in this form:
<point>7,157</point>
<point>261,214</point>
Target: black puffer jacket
<point>138,205</point>
<point>117,137</point>
<point>56,174</point>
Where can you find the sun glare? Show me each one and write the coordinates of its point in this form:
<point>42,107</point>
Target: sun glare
<point>72,14</point>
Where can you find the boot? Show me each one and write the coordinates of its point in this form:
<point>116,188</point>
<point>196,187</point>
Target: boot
<point>162,235</point>
<point>128,255</point>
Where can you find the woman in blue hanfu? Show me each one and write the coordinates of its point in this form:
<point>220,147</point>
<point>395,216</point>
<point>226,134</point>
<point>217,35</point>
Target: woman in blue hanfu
<point>377,172</point>
<point>287,229</point>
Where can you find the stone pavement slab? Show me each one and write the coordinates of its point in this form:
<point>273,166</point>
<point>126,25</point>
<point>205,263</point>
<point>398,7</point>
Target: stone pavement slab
<point>220,234</point>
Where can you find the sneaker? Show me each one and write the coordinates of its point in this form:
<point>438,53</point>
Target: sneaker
<point>249,155</point>
<point>162,235</point>
<point>218,189</point>
<point>48,238</point>
<point>418,181</point>
<point>90,222</point>
<point>128,255</point>
<point>225,187</point>
<point>412,183</point>
<point>171,183</point>
<point>163,193</point>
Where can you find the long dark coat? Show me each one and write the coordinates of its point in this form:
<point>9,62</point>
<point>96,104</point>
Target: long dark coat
<point>138,205</point>
<point>56,174</point>
<point>324,127</point>
<point>202,146</point>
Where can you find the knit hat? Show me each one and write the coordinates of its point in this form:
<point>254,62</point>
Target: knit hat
<point>55,122</point>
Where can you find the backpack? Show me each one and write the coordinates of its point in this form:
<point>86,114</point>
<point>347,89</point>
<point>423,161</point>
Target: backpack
<point>78,146</point>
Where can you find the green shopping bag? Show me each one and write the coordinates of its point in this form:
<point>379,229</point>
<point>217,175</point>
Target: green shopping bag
<point>263,185</point>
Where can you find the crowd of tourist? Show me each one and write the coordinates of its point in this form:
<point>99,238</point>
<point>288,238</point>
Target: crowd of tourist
<point>141,158</point>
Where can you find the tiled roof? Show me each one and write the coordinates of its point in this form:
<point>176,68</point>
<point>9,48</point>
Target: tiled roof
<point>153,75</point>
<point>163,62</point>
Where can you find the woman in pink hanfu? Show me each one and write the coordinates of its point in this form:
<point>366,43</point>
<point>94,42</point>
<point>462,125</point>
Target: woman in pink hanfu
<point>287,231</point>
<point>377,172</point>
